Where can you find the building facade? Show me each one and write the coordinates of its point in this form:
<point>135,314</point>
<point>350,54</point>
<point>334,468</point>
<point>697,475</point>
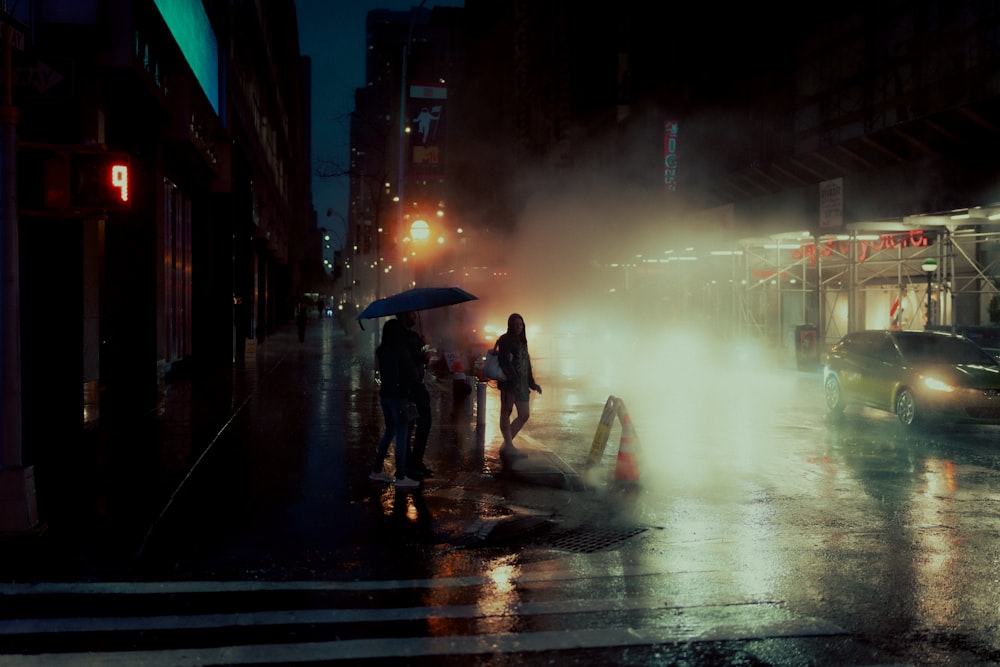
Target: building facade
<point>812,165</point>
<point>206,103</point>
<point>401,138</point>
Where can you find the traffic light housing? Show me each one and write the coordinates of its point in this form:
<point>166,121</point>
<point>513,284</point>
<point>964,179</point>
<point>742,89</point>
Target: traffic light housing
<point>70,180</point>
<point>98,180</point>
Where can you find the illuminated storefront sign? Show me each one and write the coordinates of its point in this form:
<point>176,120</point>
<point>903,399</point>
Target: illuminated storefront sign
<point>190,27</point>
<point>865,247</point>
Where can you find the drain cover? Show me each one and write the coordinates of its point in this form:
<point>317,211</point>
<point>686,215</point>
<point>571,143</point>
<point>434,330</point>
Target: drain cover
<point>590,540</point>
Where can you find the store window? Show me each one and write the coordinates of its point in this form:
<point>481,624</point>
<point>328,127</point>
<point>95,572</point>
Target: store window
<point>176,272</point>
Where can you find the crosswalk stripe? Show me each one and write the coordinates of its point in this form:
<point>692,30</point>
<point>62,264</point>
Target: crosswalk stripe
<point>345,632</point>
<point>398,647</point>
<point>331,616</point>
<point>508,574</point>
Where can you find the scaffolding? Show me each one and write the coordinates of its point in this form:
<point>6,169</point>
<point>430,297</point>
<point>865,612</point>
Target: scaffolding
<point>938,270</point>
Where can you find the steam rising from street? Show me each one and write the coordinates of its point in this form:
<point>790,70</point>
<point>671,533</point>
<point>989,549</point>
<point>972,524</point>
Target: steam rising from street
<point>694,392</point>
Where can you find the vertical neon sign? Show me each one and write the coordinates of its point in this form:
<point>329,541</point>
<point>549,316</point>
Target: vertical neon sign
<point>670,156</point>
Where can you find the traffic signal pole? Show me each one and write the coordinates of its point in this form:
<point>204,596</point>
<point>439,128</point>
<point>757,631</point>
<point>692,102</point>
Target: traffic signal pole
<point>18,508</point>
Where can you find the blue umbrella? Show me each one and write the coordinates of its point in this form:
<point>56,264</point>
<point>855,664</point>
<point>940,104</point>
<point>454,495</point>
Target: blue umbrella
<point>418,298</point>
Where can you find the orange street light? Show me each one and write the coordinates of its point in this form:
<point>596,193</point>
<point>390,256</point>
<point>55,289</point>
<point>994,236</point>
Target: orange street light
<point>420,230</point>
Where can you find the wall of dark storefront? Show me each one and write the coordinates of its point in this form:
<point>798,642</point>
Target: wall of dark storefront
<point>97,281</point>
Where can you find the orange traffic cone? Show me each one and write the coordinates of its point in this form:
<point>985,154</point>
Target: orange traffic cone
<point>627,468</point>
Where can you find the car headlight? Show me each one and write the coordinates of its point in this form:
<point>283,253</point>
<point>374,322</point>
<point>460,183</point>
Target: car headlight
<point>937,385</point>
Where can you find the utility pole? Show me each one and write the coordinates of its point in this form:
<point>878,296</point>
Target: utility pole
<point>400,222</point>
<point>18,507</point>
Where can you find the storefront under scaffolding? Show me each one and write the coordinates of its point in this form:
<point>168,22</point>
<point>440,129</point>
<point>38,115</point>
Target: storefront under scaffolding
<point>940,270</point>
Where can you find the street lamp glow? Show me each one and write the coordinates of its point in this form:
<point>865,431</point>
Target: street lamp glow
<point>420,230</point>
<point>929,267</point>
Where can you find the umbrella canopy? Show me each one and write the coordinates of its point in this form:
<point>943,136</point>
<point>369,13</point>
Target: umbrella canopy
<point>418,298</point>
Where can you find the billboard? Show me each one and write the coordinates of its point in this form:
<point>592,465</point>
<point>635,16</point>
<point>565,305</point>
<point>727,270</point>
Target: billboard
<point>831,204</point>
<point>189,24</point>
<point>426,113</point>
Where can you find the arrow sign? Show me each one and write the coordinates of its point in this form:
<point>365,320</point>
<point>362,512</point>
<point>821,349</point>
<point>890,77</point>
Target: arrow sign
<point>41,78</point>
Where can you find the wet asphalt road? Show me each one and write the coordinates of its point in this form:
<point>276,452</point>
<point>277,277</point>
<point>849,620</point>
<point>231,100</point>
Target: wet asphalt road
<point>760,531</point>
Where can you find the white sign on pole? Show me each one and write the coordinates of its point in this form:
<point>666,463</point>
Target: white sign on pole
<point>831,204</point>
<point>17,30</point>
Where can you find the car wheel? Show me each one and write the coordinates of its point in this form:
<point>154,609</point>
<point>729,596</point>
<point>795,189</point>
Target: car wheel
<point>834,395</point>
<point>906,408</point>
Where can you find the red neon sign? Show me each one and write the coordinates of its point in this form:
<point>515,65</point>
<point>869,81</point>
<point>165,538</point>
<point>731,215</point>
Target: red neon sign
<point>914,239</point>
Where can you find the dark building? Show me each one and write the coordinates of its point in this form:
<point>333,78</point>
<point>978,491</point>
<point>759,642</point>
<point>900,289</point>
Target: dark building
<point>813,164</point>
<point>401,138</point>
<point>206,103</point>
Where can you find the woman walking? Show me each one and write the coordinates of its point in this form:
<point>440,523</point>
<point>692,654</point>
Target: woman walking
<point>515,391</point>
<point>398,374</point>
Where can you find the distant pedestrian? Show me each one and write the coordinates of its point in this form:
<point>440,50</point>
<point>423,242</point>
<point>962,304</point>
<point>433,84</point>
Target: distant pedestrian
<point>398,374</point>
<point>515,391</point>
<point>421,397</point>
<point>301,317</point>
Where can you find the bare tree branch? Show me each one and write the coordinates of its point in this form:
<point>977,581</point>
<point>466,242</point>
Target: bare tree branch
<point>331,169</point>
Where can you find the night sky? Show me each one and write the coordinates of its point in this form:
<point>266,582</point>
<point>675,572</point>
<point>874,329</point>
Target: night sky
<point>332,34</point>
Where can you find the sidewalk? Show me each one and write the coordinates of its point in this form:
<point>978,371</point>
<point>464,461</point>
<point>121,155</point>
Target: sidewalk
<point>96,507</point>
<point>260,444</point>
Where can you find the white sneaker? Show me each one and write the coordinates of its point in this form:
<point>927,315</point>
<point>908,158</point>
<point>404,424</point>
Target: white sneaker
<point>406,483</point>
<point>380,477</point>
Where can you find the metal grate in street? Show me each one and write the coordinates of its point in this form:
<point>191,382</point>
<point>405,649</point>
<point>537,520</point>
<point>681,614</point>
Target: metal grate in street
<point>588,540</point>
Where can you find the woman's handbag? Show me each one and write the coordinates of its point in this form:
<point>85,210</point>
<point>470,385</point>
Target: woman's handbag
<point>491,369</point>
<point>411,412</point>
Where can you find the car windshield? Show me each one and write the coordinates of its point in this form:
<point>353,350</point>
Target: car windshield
<point>941,349</point>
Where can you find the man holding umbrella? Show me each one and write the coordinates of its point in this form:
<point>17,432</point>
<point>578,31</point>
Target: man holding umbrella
<point>415,467</point>
<point>404,306</point>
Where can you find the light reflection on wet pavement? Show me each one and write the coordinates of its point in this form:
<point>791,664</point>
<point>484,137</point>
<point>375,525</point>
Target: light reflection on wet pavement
<point>756,514</point>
